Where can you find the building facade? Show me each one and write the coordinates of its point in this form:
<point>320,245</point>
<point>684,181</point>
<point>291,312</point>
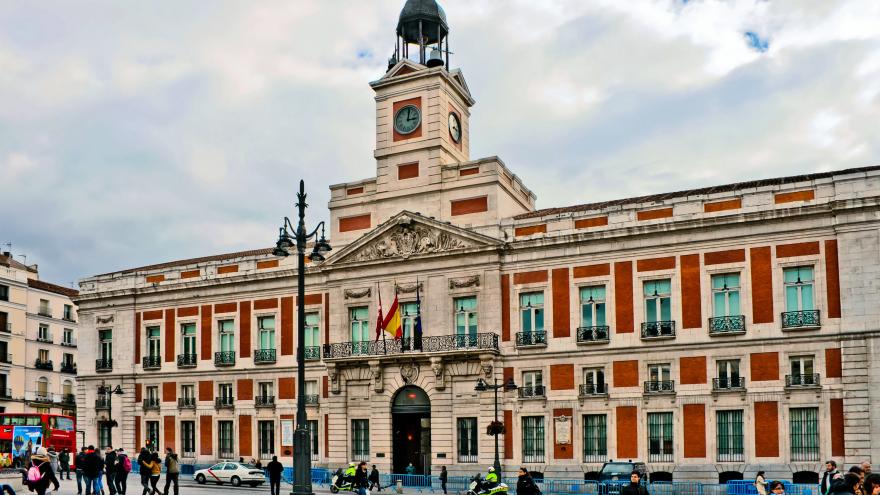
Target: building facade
<point>708,332</point>
<point>38,328</point>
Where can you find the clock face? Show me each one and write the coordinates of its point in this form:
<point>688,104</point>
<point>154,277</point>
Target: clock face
<point>407,119</point>
<point>454,127</point>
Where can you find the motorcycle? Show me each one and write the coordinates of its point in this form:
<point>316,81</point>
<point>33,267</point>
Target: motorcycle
<point>338,484</point>
<point>476,487</point>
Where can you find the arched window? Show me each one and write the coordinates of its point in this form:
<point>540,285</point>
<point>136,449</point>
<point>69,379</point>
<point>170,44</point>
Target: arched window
<point>43,385</point>
<point>67,388</point>
<point>411,399</point>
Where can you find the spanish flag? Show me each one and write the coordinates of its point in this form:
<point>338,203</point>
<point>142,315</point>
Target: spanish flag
<point>393,324</point>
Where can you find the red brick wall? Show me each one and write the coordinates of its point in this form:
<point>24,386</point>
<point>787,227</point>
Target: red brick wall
<point>325,386</point>
<point>407,171</point>
<point>187,311</point>
<point>654,214</point>
<point>561,312</point>
<point>832,279</point>
<point>169,433</point>
<point>245,435</point>
<point>833,365</point>
<point>190,274</point>
<point>227,269</point>
<point>244,324</point>
<point>762,285</point>
<point>563,451</point>
<point>585,223</point>
<point>721,257</point>
<point>562,377</point>
<point>359,222</point>
<point>137,432</point>
<point>155,279</point>
<point>653,264</point>
<point>207,321</point>
<point>229,307</point>
<point>286,388</point>
<point>245,389</point>
<point>625,373</point>
<point>170,333</point>
<point>693,370</point>
<point>470,205</point>
<point>287,326</point>
<point>623,296</point>
<point>592,270</point>
<point>694,430</point>
<point>508,434</point>
<point>529,277</point>
<point>507,373</point>
<point>138,393</point>
<point>262,265</point>
<point>691,303</point>
<point>206,434</point>
<point>838,447</point>
<point>766,429</point>
<point>797,249</point>
<point>764,366</point>
<point>627,432</point>
<point>169,392</point>
<point>505,308</point>
<point>468,171</point>
<point>730,204</point>
<point>794,196</point>
<point>206,390</point>
<point>155,314</point>
<point>531,229</point>
<point>260,304</point>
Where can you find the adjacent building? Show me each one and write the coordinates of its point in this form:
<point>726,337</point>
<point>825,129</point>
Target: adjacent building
<point>38,330</point>
<point>708,332</point>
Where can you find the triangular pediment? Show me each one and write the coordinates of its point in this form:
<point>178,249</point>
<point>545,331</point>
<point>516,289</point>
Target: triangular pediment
<point>409,234</point>
<point>403,67</point>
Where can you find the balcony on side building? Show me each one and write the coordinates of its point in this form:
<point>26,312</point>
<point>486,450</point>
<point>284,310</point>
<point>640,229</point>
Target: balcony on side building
<point>532,392</point>
<point>800,320</point>
<point>313,353</point>
<point>531,339</point>
<point>312,399</point>
<point>44,365</point>
<point>45,311</point>
<point>593,335</point>
<point>394,348</point>
<point>40,397</point>
<point>592,390</point>
<point>186,402</point>
<point>267,401</point>
<point>102,403</point>
<point>6,327</point>
<point>151,404</point>
<point>151,362</point>
<point>104,365</point>
<point>68,342</point>
<point>224,358</point>
<point>809,380</point>
<point>264,356</point>
<point>727,325</point>
<point>6,358</point>
<point>68,368</point>
<point>187,360</point>
<point>224,402</point>
<point>657,330</point>
<point>68,400</point>
<point>45,337</point>
<point>732,384</point>
<point>658,387</point>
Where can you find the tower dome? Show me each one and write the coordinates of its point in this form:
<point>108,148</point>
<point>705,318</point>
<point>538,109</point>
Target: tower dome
<point>425,17</point>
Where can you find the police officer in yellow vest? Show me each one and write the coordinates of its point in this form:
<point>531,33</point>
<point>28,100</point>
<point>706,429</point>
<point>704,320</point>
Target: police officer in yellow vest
<point>491,480</point>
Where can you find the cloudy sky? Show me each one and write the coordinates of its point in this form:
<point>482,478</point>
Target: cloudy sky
<point>139,132</point>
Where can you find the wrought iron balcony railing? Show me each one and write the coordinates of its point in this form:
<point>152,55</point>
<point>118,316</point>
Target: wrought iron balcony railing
<point>660,387</point>
<point>68,368</point>
<point>730,454</point>
<point>313,353</point>
<point>264,356</point>
<point>187,360</point>
<point>801,319</point>
<point>44,365</point>
<point>661,457</point>
<point>186,402</point>
<point>443,343</point>
<point>102,403</point>
<point>467,458</point>
<point>531,339</point>
<point>592,389</point>
<point>264,401</point>
<point>105,364</point>
<point>727,325</point>
<point>737,383</point>
<point>46,337</point>
<point>658,330</point>
<point>802,381</point>
<point>151,403</point>
<point>312,399</point>
<point>68,399</point>
<point>68,342</point>
<point>532,392</point>
<point>590,335</point>
<point>226,358</point>
<point>595,458</point>
<point>39,396</point>
<point>224,402</point>
<point>47,312</point>
<point>151,362</point>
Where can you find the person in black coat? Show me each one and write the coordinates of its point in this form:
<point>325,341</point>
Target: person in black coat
<point>525,484</point>
<point>847,485</point>
<point>360,479</point>
<point>275,470</point>
<point>634,487</point>
<point>41,460</point>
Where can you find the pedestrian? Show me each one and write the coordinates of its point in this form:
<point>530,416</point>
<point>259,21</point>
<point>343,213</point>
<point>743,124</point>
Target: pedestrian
<point>145,469</point>
<point>635,486</point>
<point>761,483</point>
<point>172,471</point>
<point>155,472</point>
<point>777,488</point>
<point>828,476</point>
<point>374,479</point>
<point>410,469</point>
<point>241,460</point>
<point>444,475</point>
<point>64,463</point>
<point>92,471</point>
<point>123,467</point>
<point>275,469</point>
<point>525,484</point>
<point>53,459</point>
<point>871,486</point>
<point>258,464</point>
<point>866,468</point>
<point>80,462</point>
<point>6,489</point>
<point>41,461</point>
<point>110,469</point>
<point>846,485</point>
<point>360,479</point>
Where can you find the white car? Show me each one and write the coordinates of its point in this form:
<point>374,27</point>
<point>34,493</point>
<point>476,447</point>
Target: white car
<point>234,473</point>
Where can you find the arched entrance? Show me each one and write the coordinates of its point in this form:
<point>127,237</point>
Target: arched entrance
<point>411,430</point>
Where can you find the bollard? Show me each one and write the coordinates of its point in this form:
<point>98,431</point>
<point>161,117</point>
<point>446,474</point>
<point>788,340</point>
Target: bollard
<point>399,486</point>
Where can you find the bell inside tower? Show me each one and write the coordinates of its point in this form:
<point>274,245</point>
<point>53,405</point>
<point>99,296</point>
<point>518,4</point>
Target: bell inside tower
<point>422,25</point>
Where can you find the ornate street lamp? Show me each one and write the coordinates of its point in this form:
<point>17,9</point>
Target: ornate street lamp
<point>497,427</point>
<point>302,457</point>
<point>108,391</point>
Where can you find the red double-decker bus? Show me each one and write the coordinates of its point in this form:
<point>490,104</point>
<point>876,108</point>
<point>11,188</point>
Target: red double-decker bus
<point>18,431</point>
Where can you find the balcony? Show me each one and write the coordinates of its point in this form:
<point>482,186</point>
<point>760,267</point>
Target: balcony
<point>227,402</point>
<point>532,392</point>
<point>727,325</point>
<point>313,353</point>
<point>451,344</point>
<point>187,360</point>
<point>5,393</point>
<point>224,358</point>
<point>186,403</point>
<point>267,401</point>
<point>593,335</point>
<point>730,454</point>
<point>531,339</point>
<point>41,397</point>
<point>657,330</point>
<point>151,403</point>
<point>103,404</point>
<point>6,327</point>
<point>68,342</point>
<point>44,365</point>
<point>732,384</point>
<point>468,458</point>
<point>666,456</point>
<point>592,389</point>
<point>264,356</point>
<point>68,368</point>
<point>151,362</point>
<point>657,387</point>
<point>46,337</point>
<point>802,381</point>
<point>312,399</point>
<point>69,318</point>
<point>796,320</point>
<point>43,311</point>
<point>103,365</point>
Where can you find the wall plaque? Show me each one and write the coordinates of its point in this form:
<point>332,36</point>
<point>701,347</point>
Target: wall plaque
<point>563,429</point>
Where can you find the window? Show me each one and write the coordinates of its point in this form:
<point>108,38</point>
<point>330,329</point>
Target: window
<point>103,435</point>
<point>593,306</point>
<point>43,333</point>
<point>153,394</point>
<point>533,384</point>
<point>728,374</point>
<point>798,288</point>
<point>313,437</point>
<point>44,308</point>
<point>360,439</point>
<point>154,343</point>
<point>531,306</point>
<point>360,329</point>
<point>227,335</point>
<point>224,439</point>
<point>67,360</point>
<point>5,357</point>
<point>533,438</point>
<point>188,438</point>
<point>595,438</point>
<point>660,374</point>
<point>409,312</point>
<point>43,356</point>
<point>313,330</point>
<point>465,321</point>
<point>311,391</point>
<point>266,432</point>
<point>5,326</point>
<point>729,427</point>
<point>68,312</point>
<point>105,345</point>
<point>153,435</point>
<point>188,392</point>
<point>266,391</point>
<point>467,440</point>
<point>188,332</point>
<point>67,388</point>
<point>725,295</point>
<point>802,371</point>
<point>266,327</point>
<point>658,300</point>
<point>42,387</point>
<point>594,381</point>
<point>660,437</point>
<point>804,424</point>
<point>225,391</point>
<point>4,292</point>
<point>67,336</point>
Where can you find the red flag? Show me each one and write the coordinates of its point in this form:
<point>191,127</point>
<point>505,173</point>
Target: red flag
<point>380,320</point>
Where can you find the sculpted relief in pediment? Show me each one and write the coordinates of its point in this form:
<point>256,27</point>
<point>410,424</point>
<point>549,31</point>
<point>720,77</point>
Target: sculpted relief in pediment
<point>405,240</point>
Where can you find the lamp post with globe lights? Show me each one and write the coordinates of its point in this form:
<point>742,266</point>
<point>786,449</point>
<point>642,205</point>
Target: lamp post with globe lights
<point>496,428</point>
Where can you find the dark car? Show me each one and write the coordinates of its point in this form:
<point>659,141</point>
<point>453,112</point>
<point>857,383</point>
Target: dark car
<point>615,472</point>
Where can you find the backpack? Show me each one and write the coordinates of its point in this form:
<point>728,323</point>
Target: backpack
<point>34,475</point>
<point>126,464</point>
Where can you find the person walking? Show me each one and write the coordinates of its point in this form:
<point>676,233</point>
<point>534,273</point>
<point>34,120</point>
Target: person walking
<point>525,484</point>
<point>846,485</point>
<point>64,463</point>
<point>866,468</point>
<point>777,488</point>
<point>635,486</point>
<point>172,471</point>
<point>145,469</point>
<point>410,469</point>
<point>92,471</point>
<point>80,462</point>
<point>41,461</point>
<point>871,486</point>
<point>360,479</point>
<point>275,469</point>
<point>444,475</point>
<point>155,472</point>
<point>123,467</point>
<point>53,459</point>
<point>110,469</point>
<point>828,477</point>
<point>374,479</point>
<point>761,483</point>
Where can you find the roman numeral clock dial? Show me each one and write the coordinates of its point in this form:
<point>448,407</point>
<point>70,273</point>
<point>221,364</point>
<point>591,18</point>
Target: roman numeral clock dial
<point>407,119</point>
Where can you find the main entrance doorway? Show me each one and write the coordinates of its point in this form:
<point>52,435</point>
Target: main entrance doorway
<point>411,430</point>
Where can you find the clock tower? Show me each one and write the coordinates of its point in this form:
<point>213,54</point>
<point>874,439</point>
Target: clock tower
<point>422,152</point>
